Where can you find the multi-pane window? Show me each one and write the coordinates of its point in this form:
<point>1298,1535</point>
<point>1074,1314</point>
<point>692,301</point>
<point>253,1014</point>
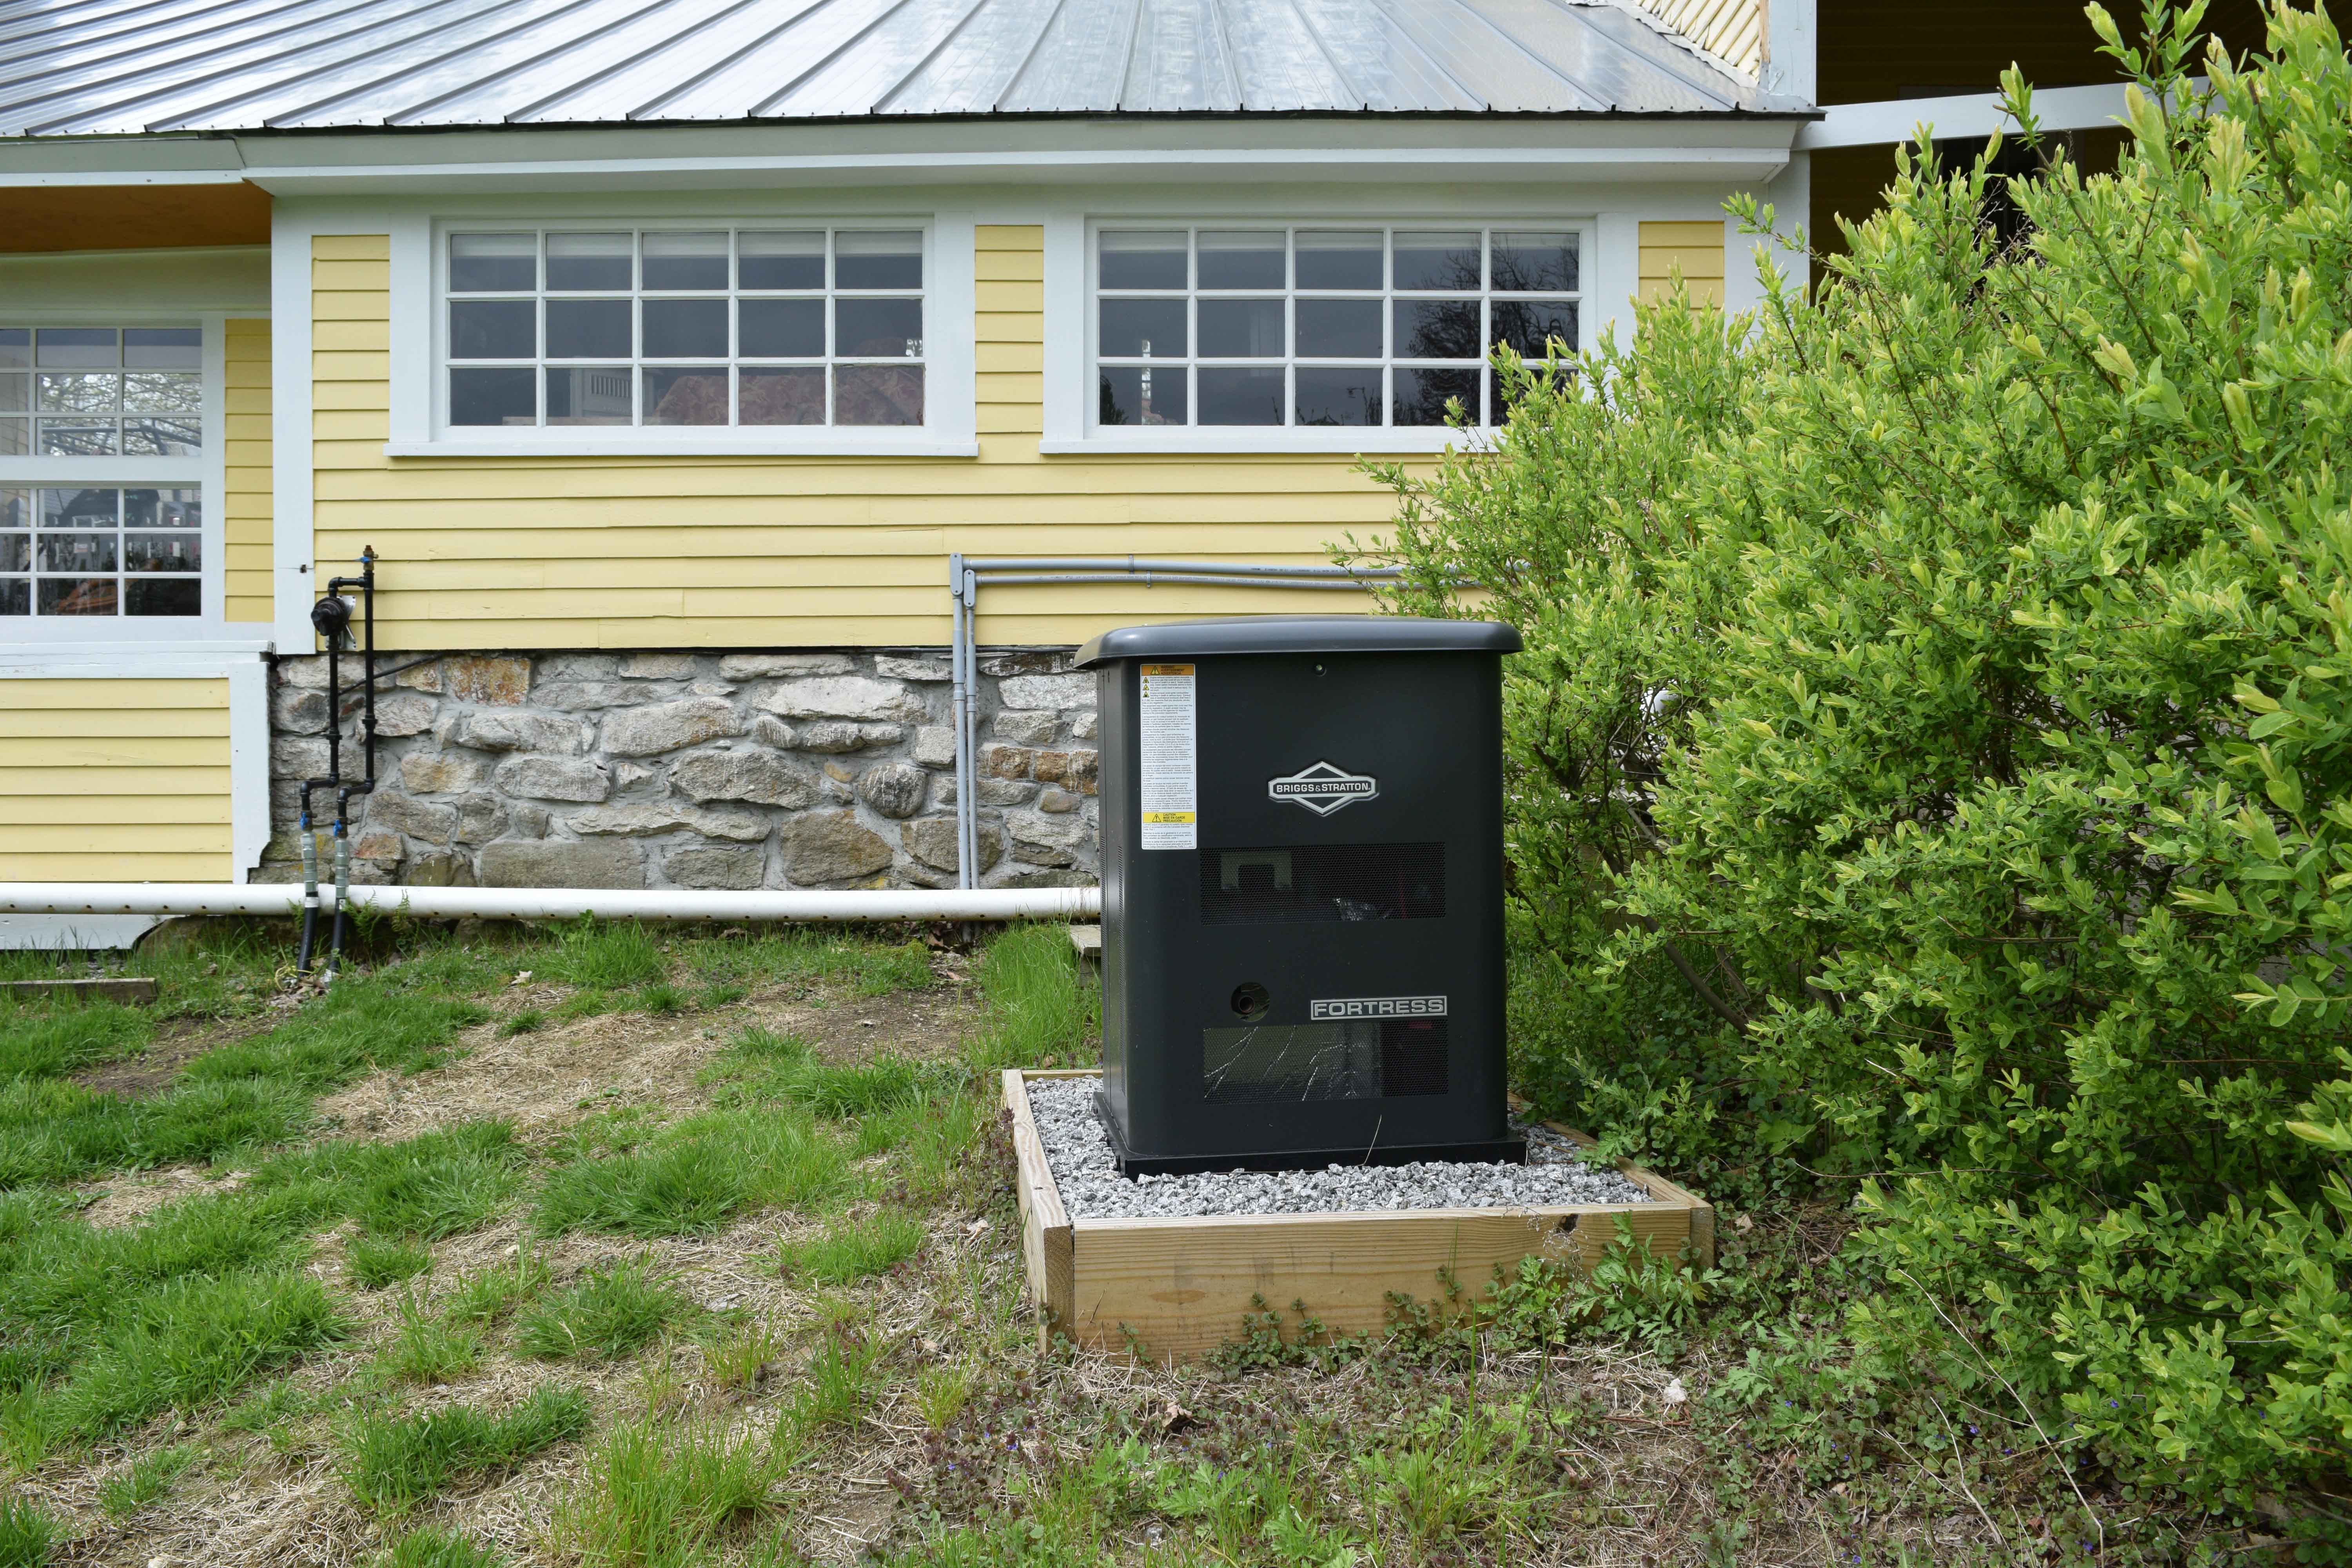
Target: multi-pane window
<point>101,392</point>
<point>101,551</point>
<point>747,327</point>
<point>1328,325</point>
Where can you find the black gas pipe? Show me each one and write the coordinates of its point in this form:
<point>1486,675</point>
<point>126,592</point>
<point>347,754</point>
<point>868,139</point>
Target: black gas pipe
<point>331,618</point>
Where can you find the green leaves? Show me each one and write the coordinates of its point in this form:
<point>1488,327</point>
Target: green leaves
<point>1934,755</point>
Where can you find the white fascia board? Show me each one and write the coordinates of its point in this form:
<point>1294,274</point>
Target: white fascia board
<point>1740,164</point>
<point>1889,122</point>
<point>121,161</point>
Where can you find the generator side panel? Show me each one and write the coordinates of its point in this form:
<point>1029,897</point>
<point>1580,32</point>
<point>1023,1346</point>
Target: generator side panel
<point>1115,705</point>
<point>1323,971</point>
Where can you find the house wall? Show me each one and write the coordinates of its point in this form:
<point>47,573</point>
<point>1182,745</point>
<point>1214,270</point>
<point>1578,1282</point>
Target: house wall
<point>245,500</point>
<point>784,552</point>
<point>115,780</point>
<point>1693,250</point>
<point>1731,30</point>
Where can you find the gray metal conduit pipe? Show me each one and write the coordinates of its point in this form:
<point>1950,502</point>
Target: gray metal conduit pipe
<point>967,573</point>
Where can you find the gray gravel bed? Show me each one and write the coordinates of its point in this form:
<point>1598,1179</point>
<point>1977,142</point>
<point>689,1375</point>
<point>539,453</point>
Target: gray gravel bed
<point>1078,1152</point>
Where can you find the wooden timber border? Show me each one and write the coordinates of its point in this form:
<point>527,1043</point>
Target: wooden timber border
<point>1177,1288</point>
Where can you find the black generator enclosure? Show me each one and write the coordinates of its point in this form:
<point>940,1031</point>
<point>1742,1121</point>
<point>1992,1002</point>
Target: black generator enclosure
<point>1303,920</point>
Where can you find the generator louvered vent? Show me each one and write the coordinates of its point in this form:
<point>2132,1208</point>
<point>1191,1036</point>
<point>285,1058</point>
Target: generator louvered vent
<point>1312,884</point>
<point>1385,1058</point>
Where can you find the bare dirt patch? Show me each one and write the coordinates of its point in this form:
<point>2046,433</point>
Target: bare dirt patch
<point>125,1199</point>
<point>928,1025</point>
<point>541,1082</point>
<point>175,1045</point>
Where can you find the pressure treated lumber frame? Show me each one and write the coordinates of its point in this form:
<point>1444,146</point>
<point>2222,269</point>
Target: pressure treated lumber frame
<point>1179,1288</point>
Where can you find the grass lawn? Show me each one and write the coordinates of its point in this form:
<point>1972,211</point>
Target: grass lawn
<point>628,1249</point>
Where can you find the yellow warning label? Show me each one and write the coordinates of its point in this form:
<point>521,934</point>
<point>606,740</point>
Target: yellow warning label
<point>1167,669</point>
<point>1168,816</point>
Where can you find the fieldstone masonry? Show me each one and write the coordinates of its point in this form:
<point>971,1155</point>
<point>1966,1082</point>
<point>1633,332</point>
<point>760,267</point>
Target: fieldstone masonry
<point>695,770</point>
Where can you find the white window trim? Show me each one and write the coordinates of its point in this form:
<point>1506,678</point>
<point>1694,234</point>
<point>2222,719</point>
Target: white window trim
<point>419,327</point>
<point>1070,322</point>
<point>208,470</point>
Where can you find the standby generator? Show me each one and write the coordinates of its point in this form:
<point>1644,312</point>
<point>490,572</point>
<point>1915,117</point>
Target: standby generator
<point>1302,848</point>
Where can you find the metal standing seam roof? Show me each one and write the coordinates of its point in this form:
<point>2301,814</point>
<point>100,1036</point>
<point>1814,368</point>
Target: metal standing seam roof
<point>132,67</point>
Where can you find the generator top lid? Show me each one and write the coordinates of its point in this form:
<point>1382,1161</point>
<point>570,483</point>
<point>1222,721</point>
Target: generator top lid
<point>1300,634</point>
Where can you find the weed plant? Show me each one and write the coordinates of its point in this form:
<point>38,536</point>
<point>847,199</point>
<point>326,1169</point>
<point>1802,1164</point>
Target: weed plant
<point>610,1312</point>
<point>146,1478</point>
<point>187,1342</point>
<point>805,957</point>
<point>430,1548</point>
<point>662,1496</point>
<point>376,1262</point>
<point>529,1021</point>
<point>606,956</point>
<point>1037,1013</point>
<point>236,1096</point>
<point>489,1296</point>
<point>851,1250</point>
<point>431,1187</point>
<point>49,1042</point>
<point>429,1348</point>
<point>694,1178</point>
<point>29,1533</point>
<point>392,1464</point>
<point>837,1386</point>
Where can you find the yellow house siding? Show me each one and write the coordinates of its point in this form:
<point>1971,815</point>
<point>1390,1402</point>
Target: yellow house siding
<point>536,552</point>
<point>246,506</point>
<point>1731,30</point>
<point>1695,249</point>
<point>114,781</point>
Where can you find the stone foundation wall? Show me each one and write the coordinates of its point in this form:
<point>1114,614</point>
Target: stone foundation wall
<point>694,770</point>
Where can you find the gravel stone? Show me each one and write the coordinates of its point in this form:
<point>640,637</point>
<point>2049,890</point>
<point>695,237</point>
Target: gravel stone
<point>1077,1151</point>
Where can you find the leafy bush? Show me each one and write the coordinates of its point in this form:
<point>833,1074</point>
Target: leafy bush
<point>1932,756</point>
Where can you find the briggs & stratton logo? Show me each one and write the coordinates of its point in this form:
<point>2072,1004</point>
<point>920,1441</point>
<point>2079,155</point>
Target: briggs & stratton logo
<point>1323,789</point>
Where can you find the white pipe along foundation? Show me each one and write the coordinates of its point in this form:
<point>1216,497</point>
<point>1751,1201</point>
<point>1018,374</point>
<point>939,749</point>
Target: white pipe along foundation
<point>558,903</point>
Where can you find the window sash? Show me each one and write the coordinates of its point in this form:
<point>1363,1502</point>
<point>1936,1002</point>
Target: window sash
<point>1390,367</point>
<point>868,375</point>
<point>119,411</point>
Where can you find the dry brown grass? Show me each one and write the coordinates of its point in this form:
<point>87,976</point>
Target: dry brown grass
<point>1635,1479</point>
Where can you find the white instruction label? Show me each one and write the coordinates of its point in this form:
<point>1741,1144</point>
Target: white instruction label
<point>1170,782</point>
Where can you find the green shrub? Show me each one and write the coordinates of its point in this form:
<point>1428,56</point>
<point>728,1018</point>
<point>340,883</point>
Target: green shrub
<point>1931,757</point>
